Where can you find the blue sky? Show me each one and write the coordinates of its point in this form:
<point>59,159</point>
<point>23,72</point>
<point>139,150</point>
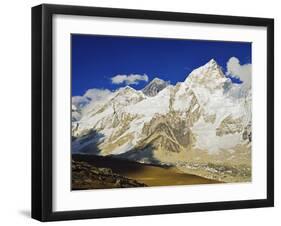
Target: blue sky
<point>96,59</point>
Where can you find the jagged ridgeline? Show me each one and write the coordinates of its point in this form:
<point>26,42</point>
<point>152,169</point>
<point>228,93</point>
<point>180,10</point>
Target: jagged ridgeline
<point>201,125</point>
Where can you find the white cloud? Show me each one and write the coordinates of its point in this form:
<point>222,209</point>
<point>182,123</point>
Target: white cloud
<point>97,94</point>
<point>91,95</point>
<point>243,72</point>
<point>131,79</point>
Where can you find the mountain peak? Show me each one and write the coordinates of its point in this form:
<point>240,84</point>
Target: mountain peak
<point>127,88</point>
<point>157,80</point>
<point>209,75</point>
<point>212,61</point>
<point>154,87</point>
<point>212,64</point>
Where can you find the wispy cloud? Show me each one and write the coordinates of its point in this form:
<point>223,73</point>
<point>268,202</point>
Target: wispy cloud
<point>132,79</point>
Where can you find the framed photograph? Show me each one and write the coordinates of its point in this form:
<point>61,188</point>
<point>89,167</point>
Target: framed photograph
<point>146,112</point>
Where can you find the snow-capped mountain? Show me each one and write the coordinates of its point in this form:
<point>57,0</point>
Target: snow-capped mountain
<point>194,123</point>
<point>154,87</point>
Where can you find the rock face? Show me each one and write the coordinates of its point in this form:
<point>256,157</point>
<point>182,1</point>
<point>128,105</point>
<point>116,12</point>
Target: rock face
<point>154,87</point>
<point>201,121</point>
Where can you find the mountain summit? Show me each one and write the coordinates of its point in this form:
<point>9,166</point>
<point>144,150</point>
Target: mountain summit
<point>209,75</point>
<point>154,87</point>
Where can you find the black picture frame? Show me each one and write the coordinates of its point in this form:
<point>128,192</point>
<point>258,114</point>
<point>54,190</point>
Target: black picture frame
<point>42,111</point>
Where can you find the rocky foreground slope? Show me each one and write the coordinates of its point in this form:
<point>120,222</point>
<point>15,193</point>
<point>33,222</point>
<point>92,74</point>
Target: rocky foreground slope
<point>86,176</point>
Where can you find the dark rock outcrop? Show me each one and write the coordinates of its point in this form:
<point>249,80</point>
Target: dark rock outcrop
<point>87,176</point>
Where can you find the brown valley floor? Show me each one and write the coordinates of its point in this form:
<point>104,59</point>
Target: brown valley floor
<point>90,172</point>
